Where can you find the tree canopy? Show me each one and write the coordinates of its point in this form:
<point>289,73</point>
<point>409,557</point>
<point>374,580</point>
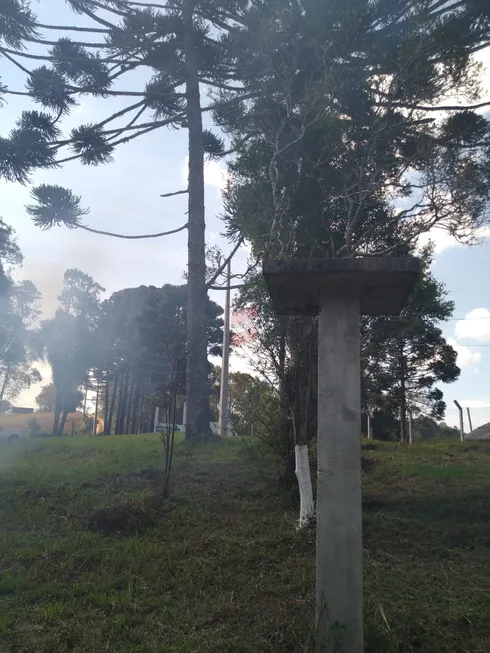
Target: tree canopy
<point>351,143</point>
<point>19,310</point>
<point>406,356</point>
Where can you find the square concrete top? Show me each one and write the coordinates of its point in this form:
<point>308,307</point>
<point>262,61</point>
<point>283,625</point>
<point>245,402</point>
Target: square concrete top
<point>382,284</point>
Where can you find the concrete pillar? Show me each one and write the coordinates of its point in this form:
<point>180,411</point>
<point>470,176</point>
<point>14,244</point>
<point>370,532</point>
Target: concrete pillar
<point>339,595</point>
<point>339,291</point>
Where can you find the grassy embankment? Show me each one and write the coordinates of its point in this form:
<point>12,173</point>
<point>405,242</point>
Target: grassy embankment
<point>90,561</point>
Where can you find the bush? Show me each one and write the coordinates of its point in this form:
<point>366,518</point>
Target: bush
<point>35,429</point>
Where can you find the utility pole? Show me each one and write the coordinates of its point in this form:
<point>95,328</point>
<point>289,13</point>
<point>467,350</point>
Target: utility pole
<point>469,419</point>
<point>339,290</point>
<point>410,440</point>
<point>369,431</point>
<point>461,425</point>
<point>223,395</point>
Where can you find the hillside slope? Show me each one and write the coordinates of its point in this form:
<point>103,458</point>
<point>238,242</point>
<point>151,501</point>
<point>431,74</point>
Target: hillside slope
<point>91,559</point>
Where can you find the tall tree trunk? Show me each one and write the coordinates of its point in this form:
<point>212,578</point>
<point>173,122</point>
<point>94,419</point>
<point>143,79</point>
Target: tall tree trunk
<point>121,404</point>
<point>85,400</point>
<point>129,409</point>
<point>198,413</point>
<point>63,422</point>
<point>106,402</point>
<point>108,428</point>
<point>137,415</point>
<point>285,426</point>
<point>5,383</point>
<point>134,406</point>
<point>57,413</point>
<point>96,414</point>
<point>403,395</point>
<point>300,339</point>
<point>124,406</point>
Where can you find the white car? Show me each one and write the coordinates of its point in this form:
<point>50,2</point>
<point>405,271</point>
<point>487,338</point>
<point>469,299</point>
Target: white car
<point>9,435</point>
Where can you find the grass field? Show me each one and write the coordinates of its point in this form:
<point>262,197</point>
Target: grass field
<point>91,560</point>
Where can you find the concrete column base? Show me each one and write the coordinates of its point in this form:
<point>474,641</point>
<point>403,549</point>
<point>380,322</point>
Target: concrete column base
<point>339,290</point>
<point>339,596</point>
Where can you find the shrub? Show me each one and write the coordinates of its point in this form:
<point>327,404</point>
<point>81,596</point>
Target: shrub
<point>35,429</point>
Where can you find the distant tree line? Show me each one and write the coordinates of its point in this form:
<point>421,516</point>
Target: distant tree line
<point>19,310</point>
<point>129,349</point>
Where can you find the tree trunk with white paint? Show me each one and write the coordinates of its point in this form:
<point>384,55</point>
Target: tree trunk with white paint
<point>301,347</point>
<point>303,474</point>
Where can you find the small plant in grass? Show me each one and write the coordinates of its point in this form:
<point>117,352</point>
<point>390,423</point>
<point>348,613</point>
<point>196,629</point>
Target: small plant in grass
<point>35,429</point>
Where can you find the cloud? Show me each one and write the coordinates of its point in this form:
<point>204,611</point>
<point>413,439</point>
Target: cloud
<point>466,357</point>
<point>443,241</point>
<point>475,326</point>
<point>475,403</point>
<point>214,174</point>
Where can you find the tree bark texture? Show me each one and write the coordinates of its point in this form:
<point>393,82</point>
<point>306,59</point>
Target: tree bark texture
<point>198,414</point>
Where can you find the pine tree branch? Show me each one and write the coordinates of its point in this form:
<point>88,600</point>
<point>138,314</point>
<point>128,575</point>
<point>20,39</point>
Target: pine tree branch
<point>8,92</point>
<point>222,86</point>
<point>105,7</point>
<point>129,125</point>
<point>73,28</point>
<point>155,124</point>
<point>87,90</point>
<point>237,287</point>
<point>134,3</point>
<point>125,139</point>
<point>177,192</point>
<point>97,19</point>
<point>126,237</point>
<point>16,63</point>
<point>418,107</point>
<point>143,127</point>
<point>82,44</point>
<point>221,268</point>
<point>47,57</point>
<point>121,113</point>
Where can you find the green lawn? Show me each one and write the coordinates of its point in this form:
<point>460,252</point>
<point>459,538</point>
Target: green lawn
<point>91,560</point>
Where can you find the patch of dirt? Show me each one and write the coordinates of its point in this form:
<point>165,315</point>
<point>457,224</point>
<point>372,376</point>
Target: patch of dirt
<point>127,518</point>
<point>368,462</point>
<point>371,502</point>
<point>369,446</point>
<point>143,478</point>
<point>10,482</point>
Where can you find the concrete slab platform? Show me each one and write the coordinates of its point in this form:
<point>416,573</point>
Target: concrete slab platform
<point>382,284</point>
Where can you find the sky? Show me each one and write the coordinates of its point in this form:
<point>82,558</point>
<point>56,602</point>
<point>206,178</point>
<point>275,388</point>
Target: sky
<point>124,196</point>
